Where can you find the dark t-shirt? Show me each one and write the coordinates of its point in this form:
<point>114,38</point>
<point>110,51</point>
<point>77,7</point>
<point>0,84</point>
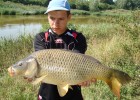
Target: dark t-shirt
<point>63,41</point>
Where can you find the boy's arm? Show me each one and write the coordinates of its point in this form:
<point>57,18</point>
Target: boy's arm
<point>39,42</point>
<point>81,44</point>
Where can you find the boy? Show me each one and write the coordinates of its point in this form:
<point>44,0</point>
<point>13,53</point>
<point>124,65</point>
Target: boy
<point>58,36</point>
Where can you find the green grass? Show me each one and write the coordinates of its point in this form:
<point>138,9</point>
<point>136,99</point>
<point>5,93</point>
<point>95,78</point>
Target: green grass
<point>79,12</point>
<point>114,12</point>
<point>10,8</point>
<point>115,41</point>
<point>10,52</point>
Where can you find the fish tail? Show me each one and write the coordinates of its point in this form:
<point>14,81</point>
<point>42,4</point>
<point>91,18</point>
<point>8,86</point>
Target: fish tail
<point>117,78</point>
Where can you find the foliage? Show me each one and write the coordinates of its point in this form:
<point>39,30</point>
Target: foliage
<point>31,2</point>
<point>82,5</point>
<point>87,5</point>
<point>128,4</point>
<point>17,8</point>
<point>105,6</point>
<point>93,5</point>
<point>72,4</point>
<point>107,1</point>
<point>10,8</point>
<point>136,4</point>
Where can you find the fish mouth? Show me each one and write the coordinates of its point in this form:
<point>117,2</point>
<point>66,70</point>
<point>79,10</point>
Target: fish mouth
<point>11,71</point>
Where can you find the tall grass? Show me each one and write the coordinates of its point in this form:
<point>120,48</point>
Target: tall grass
<point>116,44</point>
<point>10,52</point>
<point>10,8</point>
<point>115,41</point>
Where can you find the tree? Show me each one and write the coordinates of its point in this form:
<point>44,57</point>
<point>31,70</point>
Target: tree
<point>124,4</point>
<point>72,4</point>
<point>136,4</point>
<point>93,5</point>
<point>82,5</point>
<point>107,1</point>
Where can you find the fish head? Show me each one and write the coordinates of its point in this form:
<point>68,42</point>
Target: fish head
<point>18,68</point>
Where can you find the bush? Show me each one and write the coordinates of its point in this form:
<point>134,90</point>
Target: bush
<point>73,5</point>
<point>107,1</point>
<point>105,6</point>
<point>80,12</point>
<point>82,6</point>
<point>12,13</point>
<point>5,12</point>
<point>124,4</point>
<point>93,5</point>
<point>136,4</point>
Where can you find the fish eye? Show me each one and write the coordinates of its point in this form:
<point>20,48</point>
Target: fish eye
<point>20,64</point>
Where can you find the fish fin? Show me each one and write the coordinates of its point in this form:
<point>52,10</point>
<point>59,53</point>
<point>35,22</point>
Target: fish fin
<point>63,89</point>
<point>37,80</point>
<point>115,86</point>
<point>117,79</point>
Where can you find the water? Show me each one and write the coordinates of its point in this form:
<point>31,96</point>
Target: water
<point>15,30</point>
<point>14,26</point>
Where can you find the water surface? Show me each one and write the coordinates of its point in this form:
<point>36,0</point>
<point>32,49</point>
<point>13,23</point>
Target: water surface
<point>14,26</point>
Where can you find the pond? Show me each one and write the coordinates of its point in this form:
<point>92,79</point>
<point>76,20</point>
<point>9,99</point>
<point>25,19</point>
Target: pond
<point>14,26</point>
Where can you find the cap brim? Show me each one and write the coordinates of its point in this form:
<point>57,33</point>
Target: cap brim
<point>56,8</point>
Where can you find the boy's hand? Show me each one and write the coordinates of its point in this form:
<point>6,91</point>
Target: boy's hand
<point>28,79</point>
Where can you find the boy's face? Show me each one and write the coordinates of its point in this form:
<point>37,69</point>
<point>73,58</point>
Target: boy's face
<point>58,21</point>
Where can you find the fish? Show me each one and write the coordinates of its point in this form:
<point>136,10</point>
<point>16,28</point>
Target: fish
<point>65,68</point>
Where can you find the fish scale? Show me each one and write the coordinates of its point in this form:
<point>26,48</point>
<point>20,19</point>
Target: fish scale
<point>54,60</point>
<point>64,68</point>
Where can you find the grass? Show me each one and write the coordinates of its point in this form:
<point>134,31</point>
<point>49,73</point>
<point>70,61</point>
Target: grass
<point>10,8</point>
<point>114,12</point>
<point>10,52</point>
<point>79,12</point>
<point>115,41</point>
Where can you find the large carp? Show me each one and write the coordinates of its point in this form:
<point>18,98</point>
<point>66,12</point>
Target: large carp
<point>64,68</point>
